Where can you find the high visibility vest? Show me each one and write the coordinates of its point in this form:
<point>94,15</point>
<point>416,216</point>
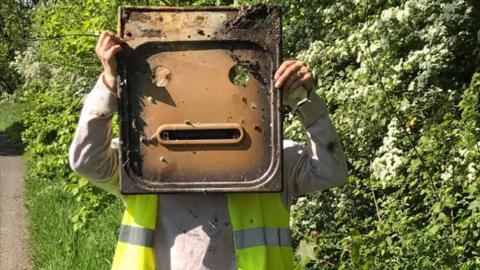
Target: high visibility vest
<point>260,223</point>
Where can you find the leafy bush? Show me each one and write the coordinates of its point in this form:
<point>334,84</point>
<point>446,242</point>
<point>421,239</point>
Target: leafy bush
<point>398,77</point>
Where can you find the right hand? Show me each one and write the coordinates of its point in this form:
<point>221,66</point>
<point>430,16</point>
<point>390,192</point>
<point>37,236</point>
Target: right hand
<point>108,45</point>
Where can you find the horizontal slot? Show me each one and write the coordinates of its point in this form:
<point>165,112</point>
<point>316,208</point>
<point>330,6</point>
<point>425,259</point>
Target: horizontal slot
<point>195,134</point>
<point>200,134</point>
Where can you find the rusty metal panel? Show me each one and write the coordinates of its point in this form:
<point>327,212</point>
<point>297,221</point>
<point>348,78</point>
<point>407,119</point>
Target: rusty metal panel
<point>198,109</point>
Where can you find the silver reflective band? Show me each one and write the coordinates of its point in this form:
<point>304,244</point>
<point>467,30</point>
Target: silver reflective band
<point>262,237</point>
<point>136,236</point>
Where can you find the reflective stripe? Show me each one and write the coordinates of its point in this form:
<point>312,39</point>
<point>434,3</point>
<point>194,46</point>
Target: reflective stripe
<point>136,236</point>
<point>262,236</point>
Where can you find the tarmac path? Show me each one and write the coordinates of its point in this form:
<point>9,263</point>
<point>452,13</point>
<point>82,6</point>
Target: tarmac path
<point>13,230</point>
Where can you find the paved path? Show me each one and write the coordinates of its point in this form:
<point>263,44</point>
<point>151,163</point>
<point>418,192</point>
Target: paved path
<point>13,232</point>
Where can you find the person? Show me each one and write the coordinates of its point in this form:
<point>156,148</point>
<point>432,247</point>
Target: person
<point>194,231</point>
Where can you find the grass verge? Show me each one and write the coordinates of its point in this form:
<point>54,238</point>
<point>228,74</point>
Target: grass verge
<point>10,120</point>
<point>54,243</point>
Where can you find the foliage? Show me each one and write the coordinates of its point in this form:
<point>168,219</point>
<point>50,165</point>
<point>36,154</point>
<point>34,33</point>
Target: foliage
<point>399,78</point>
<point>14,24</point>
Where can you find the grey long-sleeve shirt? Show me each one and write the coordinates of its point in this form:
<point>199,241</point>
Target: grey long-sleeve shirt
<point>193,230</point>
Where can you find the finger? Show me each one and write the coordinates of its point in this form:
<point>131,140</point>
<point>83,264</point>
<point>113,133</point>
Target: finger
<point>107,44</point>
<point>100,42</point>
<point>113,51</point>
<point>299,74</point>
<point>302,81</point>
<point>292,69</point>
<point>295,76</point>
<point>308,81</point>
<point>109,41</point>
<point>305,75</point>
<point>282,68</point>
<point>114,37</point>
<point>117,39</point>
<point>295,84</point>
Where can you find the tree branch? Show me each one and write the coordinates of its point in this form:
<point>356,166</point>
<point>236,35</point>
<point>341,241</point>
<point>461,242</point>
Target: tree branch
<point>166,3</point>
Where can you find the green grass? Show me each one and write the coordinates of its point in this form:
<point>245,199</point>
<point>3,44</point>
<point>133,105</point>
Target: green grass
<point>10,113</point>
<point>54,243</point>
<point>10,119</point>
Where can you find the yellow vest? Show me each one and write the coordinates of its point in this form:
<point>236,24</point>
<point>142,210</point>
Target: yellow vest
<point>260,225</point>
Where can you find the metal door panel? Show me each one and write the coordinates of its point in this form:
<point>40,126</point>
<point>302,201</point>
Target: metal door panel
<point>186,124</point>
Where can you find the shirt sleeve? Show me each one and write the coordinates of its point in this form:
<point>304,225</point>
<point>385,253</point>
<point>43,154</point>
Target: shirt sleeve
<point>321,163</point>
<point>318,165</point>
<point>92,154</point>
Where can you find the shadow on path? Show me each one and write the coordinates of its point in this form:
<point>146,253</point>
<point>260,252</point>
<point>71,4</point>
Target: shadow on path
<point>9,148</point>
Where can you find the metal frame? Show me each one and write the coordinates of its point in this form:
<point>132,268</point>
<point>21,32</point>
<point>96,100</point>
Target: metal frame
<point>244,28</point>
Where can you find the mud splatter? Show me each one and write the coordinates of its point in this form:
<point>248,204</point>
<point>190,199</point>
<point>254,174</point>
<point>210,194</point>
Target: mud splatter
<point>252,16</point>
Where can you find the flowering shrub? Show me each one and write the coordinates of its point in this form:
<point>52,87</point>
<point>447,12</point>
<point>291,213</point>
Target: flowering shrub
<point>399,79</point>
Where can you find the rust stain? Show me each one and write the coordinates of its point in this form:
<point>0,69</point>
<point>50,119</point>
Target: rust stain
<point>183,108</point>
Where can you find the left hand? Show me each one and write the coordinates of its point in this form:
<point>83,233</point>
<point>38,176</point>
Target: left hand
<point>292,74</point>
